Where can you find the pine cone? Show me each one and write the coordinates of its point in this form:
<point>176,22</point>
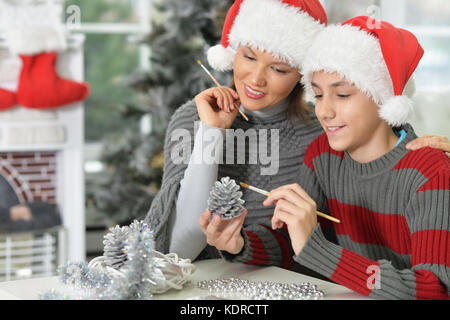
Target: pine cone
<point>114,247</point>
<point>225,199</point>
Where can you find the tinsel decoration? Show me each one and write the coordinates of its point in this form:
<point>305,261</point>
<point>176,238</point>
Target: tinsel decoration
<point>133,269</point>
<point>114,251</point>
<point>139,249</point>
<point>225,199</point>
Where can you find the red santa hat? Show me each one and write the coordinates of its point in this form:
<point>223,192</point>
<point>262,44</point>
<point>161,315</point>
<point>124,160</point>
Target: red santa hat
<point>284,28</point>
<point>378,58</point>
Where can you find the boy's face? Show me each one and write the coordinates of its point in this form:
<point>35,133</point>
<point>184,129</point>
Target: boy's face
<point>349,117</point>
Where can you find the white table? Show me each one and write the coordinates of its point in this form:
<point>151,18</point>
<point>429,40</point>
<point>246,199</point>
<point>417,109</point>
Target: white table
<point>205,270</point>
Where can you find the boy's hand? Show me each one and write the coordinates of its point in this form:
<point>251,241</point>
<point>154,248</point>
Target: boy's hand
<point>295,208</point>
<point>225,235</point>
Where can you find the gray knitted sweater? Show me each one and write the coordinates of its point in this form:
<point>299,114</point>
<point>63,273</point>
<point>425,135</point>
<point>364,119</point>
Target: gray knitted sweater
<point>294,137</point>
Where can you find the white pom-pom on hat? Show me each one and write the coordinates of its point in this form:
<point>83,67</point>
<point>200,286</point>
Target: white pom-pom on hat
<point>220,58</point>
<point>397,110</point>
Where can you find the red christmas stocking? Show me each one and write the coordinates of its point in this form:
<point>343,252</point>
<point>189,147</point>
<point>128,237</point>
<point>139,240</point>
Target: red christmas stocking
<point>7,99</point>
<point>41,87</point>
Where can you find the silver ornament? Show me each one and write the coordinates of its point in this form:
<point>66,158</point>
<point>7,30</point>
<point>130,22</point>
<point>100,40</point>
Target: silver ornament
<point>225,199</point>
<point>114,247</point>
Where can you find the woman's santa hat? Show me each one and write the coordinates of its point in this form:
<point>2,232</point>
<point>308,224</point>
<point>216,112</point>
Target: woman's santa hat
<point>378,58</point>
<point>284,28</point>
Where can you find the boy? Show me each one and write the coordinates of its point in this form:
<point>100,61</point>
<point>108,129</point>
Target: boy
<point>393,240</point>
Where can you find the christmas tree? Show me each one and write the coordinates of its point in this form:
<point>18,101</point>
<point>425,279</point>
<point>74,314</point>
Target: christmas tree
<point>181,33</point>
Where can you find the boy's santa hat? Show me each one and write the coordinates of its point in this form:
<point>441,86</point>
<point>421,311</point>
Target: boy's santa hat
<point>378,58</point>
<point>284,28</point>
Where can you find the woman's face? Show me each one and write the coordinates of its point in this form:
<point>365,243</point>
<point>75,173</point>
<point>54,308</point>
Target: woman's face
<point>262,80</point>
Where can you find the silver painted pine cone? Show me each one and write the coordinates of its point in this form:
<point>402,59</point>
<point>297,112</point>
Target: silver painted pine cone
<point>114,247</point>
<point>225,199</point>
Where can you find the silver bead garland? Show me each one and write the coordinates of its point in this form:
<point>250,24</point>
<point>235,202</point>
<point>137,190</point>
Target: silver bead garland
<point>236,288</point>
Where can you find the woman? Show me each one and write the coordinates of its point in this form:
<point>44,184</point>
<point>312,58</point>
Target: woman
<point>264,42</point>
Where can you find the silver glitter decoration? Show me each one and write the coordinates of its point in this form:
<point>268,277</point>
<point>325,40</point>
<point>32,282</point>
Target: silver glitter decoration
<point>115,241</point>
<point>225,199</point>
<point>135,282</point>
<point>235,288</point>
<point>142,271</point>
<point>140,268</point>
<point>114,246</point>
<point>137,226</point>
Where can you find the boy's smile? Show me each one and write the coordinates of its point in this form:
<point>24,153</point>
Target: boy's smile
<point>333,130</point>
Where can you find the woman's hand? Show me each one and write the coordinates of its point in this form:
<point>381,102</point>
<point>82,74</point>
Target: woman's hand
<point>438,142</point>
<point>295,208</point>
<point>218,107</point>
<point>225,235</point>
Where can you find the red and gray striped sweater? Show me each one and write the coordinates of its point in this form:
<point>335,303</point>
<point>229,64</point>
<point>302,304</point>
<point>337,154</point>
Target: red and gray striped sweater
<point>393,241</point>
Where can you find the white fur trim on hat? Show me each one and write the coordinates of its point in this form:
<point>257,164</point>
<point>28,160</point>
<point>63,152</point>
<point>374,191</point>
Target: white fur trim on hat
<point>31,40</point>
<point>220,58</point>
<point>283,30</point>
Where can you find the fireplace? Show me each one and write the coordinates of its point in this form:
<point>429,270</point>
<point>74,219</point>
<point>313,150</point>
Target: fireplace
<point>32,175</point>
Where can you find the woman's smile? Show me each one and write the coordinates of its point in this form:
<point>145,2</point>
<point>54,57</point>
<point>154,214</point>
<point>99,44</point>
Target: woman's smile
<point>252,93</point>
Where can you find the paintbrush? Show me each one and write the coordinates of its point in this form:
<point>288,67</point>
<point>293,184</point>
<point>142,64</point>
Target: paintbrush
<point>217,84</point>
<point>267,193</point>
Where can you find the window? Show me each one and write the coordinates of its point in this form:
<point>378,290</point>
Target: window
<point>342,10</point>
<point>112,51</point>
<point>112,28</point>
